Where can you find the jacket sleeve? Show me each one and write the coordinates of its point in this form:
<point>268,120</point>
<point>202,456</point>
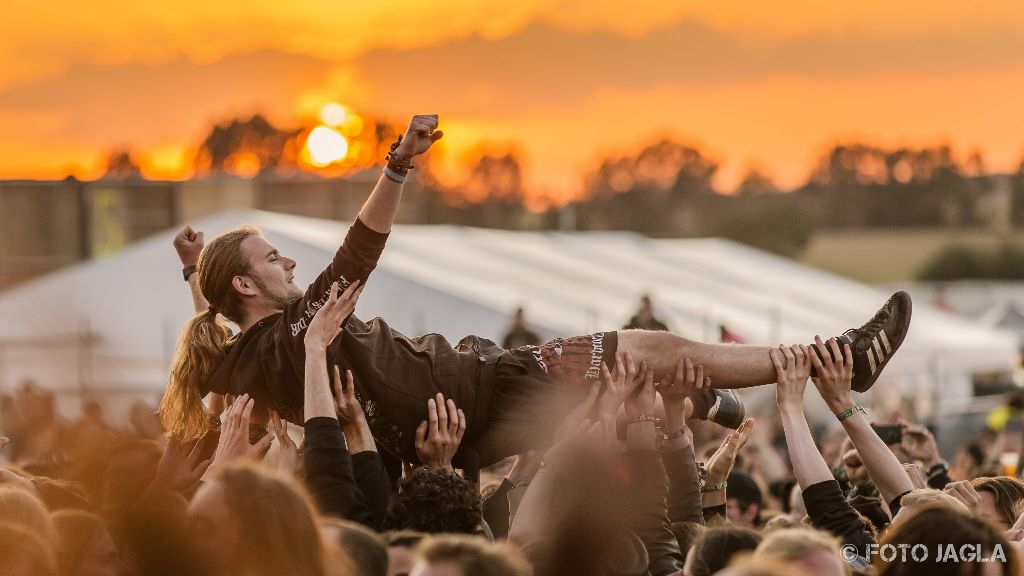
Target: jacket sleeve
<point>647,511</point>
<point>354,260</point>
<point>329,473</point>
<point>829,511</point>
<point>684,497</point>
<point>373,481</point>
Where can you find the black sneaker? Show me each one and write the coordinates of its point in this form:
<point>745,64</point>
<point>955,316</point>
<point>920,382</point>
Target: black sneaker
<point>721,406</point>
<point>875,343</point>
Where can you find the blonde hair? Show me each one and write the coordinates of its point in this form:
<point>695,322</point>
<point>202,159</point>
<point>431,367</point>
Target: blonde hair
<point>203,343</point>
<point>792,544</point>
<point>23,509</point>
<point>474,556</point>
<point>931,497</point>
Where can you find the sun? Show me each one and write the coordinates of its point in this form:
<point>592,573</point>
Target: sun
<point>325,146</point>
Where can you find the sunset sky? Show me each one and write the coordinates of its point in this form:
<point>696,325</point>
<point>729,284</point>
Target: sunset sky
<point>563,82</point>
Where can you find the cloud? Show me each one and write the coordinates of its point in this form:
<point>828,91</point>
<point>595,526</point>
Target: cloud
<point>136,102</point>
<point>541,66</point>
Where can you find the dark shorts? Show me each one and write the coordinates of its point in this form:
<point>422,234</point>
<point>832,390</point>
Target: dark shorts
<point>535,386</point>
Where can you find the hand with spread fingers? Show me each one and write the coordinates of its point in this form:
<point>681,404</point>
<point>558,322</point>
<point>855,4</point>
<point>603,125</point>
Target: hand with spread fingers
<point>439,436</point>
<point>792,369</point>
<point>965,492</point>
<point>329,320</point>
<point>234,436</point>
<point>721,462</point>
<point>618,385</point>
<point>179,468</point>
<point>919,443</point>
<point>835,373</point>
<point>288,451</point>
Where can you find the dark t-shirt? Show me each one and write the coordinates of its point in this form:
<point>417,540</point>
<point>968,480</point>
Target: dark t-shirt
<point>394,375</point>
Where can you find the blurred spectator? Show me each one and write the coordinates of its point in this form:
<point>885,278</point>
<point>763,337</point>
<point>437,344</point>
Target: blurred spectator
<point>644,318</point>
<point>519,334</point>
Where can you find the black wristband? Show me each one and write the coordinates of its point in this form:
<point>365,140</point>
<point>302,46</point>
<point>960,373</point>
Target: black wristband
<point>187,271</point>
<point>936,468</point>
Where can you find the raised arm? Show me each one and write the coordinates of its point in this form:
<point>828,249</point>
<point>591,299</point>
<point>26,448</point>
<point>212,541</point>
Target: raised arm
<point>794,368</point>
<point>188,243</point>
<point>677,454</point>
<point>329,474</point>
<point>379,210</point>
<point>833,383</point>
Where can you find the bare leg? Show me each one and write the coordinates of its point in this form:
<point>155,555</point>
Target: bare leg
<point>728,365</point>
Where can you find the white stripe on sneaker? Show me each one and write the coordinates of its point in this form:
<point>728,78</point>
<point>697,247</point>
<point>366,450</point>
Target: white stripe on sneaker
<point>871,360</point>
<point>885,342</point>
<point>878,350</point>
<point>713,411</point>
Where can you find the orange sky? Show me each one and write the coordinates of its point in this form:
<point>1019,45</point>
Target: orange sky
<point>563,82</point>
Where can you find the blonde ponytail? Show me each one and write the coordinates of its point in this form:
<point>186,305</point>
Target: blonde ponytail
<point>201,348</point>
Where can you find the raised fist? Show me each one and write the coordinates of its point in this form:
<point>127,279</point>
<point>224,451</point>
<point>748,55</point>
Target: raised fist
<point>420,135</point>
<point>188,244</point>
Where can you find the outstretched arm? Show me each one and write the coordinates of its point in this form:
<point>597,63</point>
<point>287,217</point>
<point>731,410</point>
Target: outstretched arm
<point>833,383</point>
<point>188,243</point>
<point>378,213</point>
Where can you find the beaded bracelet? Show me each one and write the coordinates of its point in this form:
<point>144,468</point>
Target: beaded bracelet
<point>677,434</point>
<point>641,418</point>
<point>850,412</point>
<point>715,487</point>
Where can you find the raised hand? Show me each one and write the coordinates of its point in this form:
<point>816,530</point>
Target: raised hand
<point>288,452</point>
<point>188,243</point>
<point>916,475</point>
<point>721,462</point>
<point>438,437</point>
<point>234,435</point>
<point>420,135</point>
<point>641,400</point>
<point>688,381</point>
<point>347,407</point>
<point>792,369</point>
<point>835,377</point>
<point>179,468</point>
<point>618,385</point>
<point>328,320</point>
<point>920,444</point>
<point>964,491</point>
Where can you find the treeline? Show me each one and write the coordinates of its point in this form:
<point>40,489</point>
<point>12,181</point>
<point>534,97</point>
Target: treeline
<point>665,190</point>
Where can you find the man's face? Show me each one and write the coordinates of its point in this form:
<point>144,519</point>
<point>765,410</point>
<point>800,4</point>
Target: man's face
<point>272,274</point>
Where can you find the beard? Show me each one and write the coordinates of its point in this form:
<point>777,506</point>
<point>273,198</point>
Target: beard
<point>277,299</point>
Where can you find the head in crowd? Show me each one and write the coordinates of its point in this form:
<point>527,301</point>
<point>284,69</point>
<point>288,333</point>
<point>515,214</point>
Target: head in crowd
<point>942,530</point>
<point>467,556</point>
<point>364,546</point>
<point>19,507</point>
<point>85,546</point>
<point>253,521</point>
<point>401,546</point>
<point>686,534</point>
<point>434,501</point>
<point>743,500</point>
<point>920,498</point>
<point>1000,498</point>
<point>24,552</point>
<point>125,473</point>
<point>763,567</point>
<point>812,550</point>
<point>715,548</point>
<point>240,274</point>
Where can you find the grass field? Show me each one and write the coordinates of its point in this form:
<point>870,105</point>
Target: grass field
<point>891,255</point>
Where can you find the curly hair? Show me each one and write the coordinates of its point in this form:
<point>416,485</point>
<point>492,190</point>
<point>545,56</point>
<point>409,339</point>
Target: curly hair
<point>434,501</point>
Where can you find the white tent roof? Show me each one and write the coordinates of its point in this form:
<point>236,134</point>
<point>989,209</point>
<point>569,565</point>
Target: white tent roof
<point>457,281</point>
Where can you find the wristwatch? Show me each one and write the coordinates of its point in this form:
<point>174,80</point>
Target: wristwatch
<point>187,271</point>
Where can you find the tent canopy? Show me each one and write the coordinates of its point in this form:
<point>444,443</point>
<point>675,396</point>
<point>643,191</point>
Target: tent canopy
<point>111,324</point>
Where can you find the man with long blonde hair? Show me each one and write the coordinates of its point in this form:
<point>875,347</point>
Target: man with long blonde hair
<point>241,277</point>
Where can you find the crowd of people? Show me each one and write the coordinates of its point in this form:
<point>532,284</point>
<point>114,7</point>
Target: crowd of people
<point>309,442</point>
